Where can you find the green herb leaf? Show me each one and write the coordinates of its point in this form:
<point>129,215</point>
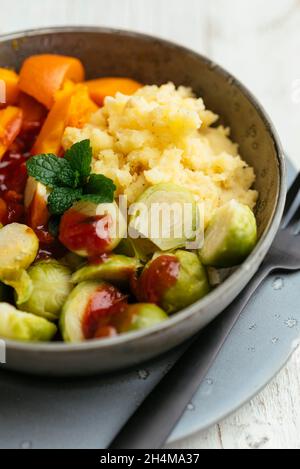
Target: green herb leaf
<point>62,198</point>
<point>102,186</point>
<point>80,158</point>
<point>96,198</point>
<point>51,170</point>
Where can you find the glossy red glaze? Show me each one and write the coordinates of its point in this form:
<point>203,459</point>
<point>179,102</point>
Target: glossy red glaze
<point>81,233</point>
<point>13,176</point>
<point>103,304</point>
<point>157,278</point>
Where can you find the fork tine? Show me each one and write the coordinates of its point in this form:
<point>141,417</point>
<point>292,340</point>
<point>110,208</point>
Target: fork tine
<point>291,195</point>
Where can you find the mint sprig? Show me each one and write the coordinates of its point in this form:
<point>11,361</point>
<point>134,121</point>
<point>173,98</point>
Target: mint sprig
<point>70,178</point>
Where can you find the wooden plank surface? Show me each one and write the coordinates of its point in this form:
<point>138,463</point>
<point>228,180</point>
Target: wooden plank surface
<point>259,43</point>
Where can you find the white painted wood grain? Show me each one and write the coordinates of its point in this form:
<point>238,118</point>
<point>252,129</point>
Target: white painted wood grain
<point>259,42</point>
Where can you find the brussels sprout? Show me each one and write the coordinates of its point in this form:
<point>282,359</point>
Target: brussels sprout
<point>166,217</point>
<point>173,281</point>
<point>113,268</point>
<point>51,285</point>
<point>18,325</point>
<point>22,285</point>
<point>135,248</point>
<point>88,310</point>
<point>18,249</point>
<point>230,236</point>
<point>89,230</point>
<point>72,261</point>
<point>138,316</point>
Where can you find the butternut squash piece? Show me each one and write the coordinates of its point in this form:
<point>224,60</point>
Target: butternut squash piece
<point>41,76</point>
<point>102,87</point>
<point>11,119</point>
<point>11,83</point>
<point>73,107</point>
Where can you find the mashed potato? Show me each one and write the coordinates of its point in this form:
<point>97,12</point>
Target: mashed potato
<point>164,134</point>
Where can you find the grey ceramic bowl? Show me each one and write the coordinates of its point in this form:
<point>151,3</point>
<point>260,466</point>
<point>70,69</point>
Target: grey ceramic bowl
<point>150,60</point>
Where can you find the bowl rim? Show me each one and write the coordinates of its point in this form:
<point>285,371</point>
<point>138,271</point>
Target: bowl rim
<point>254,259</point>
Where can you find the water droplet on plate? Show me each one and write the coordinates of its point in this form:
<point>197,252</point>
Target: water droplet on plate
<point>252,327</point>
<point>143,374</point>
<point>209,381</point>
<point>275,340</point>
<point>25,445</point>
<point>252,349</point>
<point>291,323</point>
<point>190,406</point>
<point>278,283</point>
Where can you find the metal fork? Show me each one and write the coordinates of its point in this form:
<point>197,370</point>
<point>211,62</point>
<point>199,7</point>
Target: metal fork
<point>155,419</point>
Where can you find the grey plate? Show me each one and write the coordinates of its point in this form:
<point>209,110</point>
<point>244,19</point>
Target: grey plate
<point>88,412</point>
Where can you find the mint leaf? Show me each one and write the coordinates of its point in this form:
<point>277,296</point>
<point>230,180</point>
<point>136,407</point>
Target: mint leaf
<point>80,158</point>
<point>96,198</point>
<point>51,170</point>
<point>62,198</point>
<point>100,185</point>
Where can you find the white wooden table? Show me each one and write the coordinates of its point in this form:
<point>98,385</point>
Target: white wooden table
<point>258,42</point>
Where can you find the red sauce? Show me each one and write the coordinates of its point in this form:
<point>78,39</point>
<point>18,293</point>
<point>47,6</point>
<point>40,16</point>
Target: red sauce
<point>156,279</point>
<point>106,302</point>
<point>13,177</point>
<point>79,232</point>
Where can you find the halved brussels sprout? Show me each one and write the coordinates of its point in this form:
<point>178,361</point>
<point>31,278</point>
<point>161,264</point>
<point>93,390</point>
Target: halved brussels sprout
<point>138,316</point>
<point>112,268</point>
<point>135,248</point>
<point>89,230</point>
<point>51,285</point>
<point>72,261</point>
<point>165,218</point>
<point>18,249</point>
<point>88,310</point>
<point>230,237</point>
<point>173,281</point>
<point>22,284</point>
<point>18,325</point>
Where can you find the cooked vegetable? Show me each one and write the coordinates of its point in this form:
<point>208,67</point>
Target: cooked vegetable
<point>42,76</point>
<point>89,309</point>
<point>138,316</point>
<point>51,282</point>
<point>70,178</point>
<point>166,218</point>
<point>10,125</point>
<point>102,87</point>
<point>112,268</point>
<point>73,107</point>
<point>35,201</point>
<point>21,283</point>
<point>230,236</point>
<point>34,113</point>
<point>18,249</point>
<point>173,281</point>
<point>91,230</point>
<point>18,325</point>
<point>11,80</point>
